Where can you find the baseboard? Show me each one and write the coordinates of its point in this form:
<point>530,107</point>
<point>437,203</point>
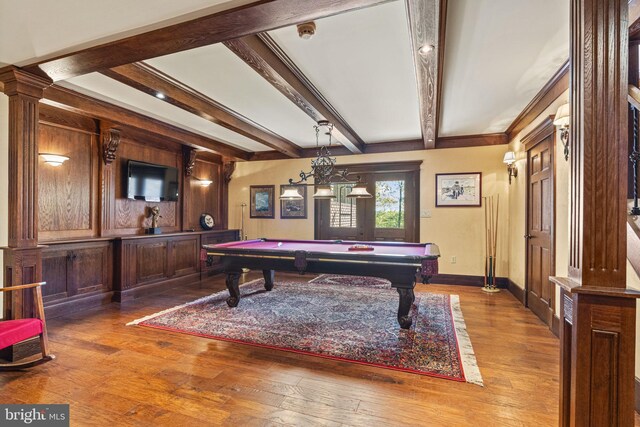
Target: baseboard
<point>154,288</point>
<point>76,304</point>
<point>464,280</point>
<point>555,327</point>
<point>516,291</point>
<point>637,389</point>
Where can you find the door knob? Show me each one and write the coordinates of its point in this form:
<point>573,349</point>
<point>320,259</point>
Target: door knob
<point>528,236</point>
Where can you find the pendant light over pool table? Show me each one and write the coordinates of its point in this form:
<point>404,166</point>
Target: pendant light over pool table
<point>324,173</point>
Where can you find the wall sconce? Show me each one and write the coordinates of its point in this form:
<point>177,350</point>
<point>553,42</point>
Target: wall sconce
<point>204,182</point>
<point>562,121</point>
<point>510,159</point>
<point>53,159</point>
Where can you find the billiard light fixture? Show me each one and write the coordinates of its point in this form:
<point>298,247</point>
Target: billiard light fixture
<point>509,159</point>
<point>324,173</point>
<point>53,159</point>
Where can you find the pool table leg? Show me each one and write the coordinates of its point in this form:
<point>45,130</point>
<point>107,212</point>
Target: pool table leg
<point>233,278</point>
<point>269,276</point>
<point>406,300</point>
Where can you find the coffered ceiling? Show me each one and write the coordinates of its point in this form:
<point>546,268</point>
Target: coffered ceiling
<point>265,92</point>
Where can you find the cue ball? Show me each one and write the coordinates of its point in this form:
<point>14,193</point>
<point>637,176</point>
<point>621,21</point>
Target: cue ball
<point>279,244</point>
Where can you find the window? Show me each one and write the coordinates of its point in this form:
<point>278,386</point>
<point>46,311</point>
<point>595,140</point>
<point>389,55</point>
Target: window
<point>390,204</point>
<point>343,209</point>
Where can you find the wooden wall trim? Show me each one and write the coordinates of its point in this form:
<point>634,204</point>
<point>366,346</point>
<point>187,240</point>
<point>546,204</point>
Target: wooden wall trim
<point>68,99</point>
<point>67,119</point>
<point>424,18</point>
<point>480,140</point>
<point>147,79</point>
<point>270,62</point>
<point>466,280</point>
<point>555,87</point>
<point>253,18</point>
<point>539,133</point>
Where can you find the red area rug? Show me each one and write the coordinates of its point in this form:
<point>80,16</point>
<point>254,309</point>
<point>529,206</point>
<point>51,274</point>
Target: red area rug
<point>347,318</point>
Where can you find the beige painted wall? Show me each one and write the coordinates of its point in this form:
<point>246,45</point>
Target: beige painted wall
<point>517,204</point>
<point>458,231</point>
<point>4,179</point>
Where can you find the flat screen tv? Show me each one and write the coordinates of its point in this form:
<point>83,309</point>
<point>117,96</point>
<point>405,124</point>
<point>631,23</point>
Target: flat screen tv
<point>153,183</point>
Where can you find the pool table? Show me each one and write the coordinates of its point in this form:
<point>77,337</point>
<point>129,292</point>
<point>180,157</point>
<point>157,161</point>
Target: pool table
<point>397,262</point>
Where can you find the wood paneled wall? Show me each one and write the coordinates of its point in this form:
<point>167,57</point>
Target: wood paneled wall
<point>67,194</point>
<point>131,216</point>
<point>86,198</point>
<point>205,199</point>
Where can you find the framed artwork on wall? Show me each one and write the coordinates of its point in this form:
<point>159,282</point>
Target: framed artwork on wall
<point>458,189</point>
<point>261,203</point>
<point>294,209</point>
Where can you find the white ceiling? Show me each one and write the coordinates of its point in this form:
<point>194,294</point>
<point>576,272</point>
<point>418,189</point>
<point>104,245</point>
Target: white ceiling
<point>32,30</point>
<point>218,73</point>
<point>363,64</point>
<point>114,92</point>
<point>499,54</point>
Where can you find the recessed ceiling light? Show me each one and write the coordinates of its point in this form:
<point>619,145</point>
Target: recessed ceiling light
<point>160,95</point>
<point>425,49</point>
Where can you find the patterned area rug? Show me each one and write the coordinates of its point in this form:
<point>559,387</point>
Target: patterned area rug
<point>347,318</point>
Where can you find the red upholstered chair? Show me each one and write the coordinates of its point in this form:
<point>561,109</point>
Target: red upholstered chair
<point>14,331</point>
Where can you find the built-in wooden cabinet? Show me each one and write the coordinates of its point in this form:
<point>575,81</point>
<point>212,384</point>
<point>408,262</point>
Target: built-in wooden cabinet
<point>94,249</point>
<point>147,264</point>
<point>78,275</point>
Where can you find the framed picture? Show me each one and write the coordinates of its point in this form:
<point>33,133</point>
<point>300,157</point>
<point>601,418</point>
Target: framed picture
<point>261,205</point>
<point>459,189</point>
<point>294,209</point>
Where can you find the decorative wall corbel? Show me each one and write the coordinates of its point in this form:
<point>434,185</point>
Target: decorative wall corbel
<point>110,143</point>
<point>227,171</point>
<point>189,160</point>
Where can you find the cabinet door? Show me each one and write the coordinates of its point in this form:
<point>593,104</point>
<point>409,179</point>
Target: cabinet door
<point>55,268</point>
<point>91,269</point>
<point>185,256</point>
<point>151,261</point>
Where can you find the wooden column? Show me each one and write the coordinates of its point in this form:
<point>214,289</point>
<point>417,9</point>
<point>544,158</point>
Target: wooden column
<point>189,162</point>
<point>22,260</point>
<point>109,143</point>
<point>228,167</point>
<point>598,312</point>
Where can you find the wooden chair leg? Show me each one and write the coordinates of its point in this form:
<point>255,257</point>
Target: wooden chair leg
<point>44,344</point>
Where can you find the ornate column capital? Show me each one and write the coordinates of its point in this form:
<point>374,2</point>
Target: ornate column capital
<point>18,82</point>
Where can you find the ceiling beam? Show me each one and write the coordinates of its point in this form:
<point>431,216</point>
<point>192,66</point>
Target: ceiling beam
<point>424,27</point>
<point>442,32</point>
<point>241,21</point>
<point>463,141</point>
<point>147,79</point>
<point>70,100</point>
<point>267,59</point>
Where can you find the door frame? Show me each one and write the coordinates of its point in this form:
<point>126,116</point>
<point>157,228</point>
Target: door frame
<point>373,168</point>
<point>529,141</point>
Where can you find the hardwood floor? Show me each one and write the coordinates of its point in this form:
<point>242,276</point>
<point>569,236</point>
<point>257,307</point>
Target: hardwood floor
<point>117,375</point>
